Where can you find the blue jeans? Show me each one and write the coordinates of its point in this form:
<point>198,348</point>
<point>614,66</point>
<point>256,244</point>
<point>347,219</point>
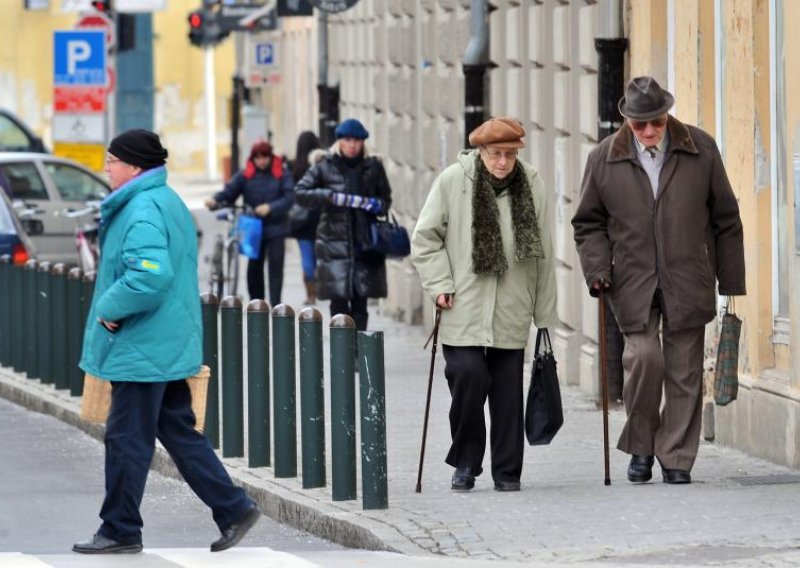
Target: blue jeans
<point>308,257</point>
<point>140,413</point>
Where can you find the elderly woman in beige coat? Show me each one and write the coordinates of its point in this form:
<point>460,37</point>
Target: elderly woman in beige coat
<point>483,250</point>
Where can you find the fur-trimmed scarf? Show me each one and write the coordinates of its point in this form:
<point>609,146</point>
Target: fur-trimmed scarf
<point>487,241</point>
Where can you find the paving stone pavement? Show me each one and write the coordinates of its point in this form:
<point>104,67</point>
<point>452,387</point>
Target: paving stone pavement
<point>739,511</point>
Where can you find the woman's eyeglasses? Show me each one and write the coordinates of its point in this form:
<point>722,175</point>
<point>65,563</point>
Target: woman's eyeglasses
<point>642,124</point>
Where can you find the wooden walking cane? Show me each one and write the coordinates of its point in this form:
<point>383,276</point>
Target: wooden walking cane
<point>604,379</point>
<point>435,337</point>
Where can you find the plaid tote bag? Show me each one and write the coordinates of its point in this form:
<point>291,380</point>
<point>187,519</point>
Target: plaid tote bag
<point>726,371</point>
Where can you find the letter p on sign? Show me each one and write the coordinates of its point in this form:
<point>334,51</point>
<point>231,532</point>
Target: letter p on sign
<point>78,51</point>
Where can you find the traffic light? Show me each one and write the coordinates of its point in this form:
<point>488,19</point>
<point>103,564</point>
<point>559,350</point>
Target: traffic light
<point>103,6</point>
<point>204,28</point>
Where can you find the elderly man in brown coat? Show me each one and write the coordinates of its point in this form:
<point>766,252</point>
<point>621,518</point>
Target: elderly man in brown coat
<point>657,223</point>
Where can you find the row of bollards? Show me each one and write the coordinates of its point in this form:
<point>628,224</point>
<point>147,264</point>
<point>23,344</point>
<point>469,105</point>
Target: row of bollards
<point>271,362</point>
<point>43,311</point>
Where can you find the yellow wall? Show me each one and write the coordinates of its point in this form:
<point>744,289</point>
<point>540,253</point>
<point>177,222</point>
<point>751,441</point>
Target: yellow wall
<point>647,33</point>
<point>791,53</point>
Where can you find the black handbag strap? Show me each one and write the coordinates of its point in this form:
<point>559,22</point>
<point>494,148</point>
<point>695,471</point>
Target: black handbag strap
<point>542,335</point>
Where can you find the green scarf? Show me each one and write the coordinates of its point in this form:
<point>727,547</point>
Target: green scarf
<point>487,240</point>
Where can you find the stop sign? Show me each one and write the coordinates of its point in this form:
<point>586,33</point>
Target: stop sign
<point>98,21</point>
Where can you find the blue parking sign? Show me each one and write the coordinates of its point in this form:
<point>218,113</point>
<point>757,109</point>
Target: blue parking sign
<point>79,58</point>
<point>265,54</point>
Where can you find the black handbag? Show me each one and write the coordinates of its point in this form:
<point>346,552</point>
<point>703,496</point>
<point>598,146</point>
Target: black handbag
<point>726,371</point>
<point>544,414</point>
<point>386,237</point>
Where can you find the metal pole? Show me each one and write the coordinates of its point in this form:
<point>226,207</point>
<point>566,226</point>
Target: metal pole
<point>211,115</point>
<point>312,398</point>
<point>5,310</point>
<point>343,408</point>
<point>17,343</point>
<point>45,313</point>
<point>87,292</point>
<point>374,479</point>
<point>59,336</point>
<point>31,356</point>
<point>284,403</point>
<point>210,309</point>
<point>232,388</point>
<point>74,325</point>
<point>258,426</point>
<point>474,67</point>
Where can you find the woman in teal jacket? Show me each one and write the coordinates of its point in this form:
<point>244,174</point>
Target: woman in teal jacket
<point>144,335</point>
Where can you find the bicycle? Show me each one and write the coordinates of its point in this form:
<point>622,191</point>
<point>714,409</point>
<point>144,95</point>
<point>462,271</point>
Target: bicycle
<point>86,233</point>
<point>224,275</point>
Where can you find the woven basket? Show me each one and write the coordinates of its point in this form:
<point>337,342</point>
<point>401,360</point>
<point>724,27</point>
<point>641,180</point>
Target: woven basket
<point>97,397</point>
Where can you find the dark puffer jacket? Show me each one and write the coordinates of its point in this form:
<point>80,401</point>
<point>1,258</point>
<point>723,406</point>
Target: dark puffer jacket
<point>341,271</point>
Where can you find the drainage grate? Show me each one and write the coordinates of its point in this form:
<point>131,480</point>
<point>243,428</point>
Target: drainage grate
<point>773,479</point>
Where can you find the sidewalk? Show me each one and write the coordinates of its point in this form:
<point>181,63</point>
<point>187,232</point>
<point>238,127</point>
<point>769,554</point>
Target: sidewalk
<point>740,511</point>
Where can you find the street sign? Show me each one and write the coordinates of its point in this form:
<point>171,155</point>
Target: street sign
<point>79,99</point>
<point>79,127</point>
<point>334,6</point>
<point>79,58</point>
<point>231,14</point>
<point>101,22</point>
<point>139,6</point>
<point>90,155</point>
<point>265,54</point>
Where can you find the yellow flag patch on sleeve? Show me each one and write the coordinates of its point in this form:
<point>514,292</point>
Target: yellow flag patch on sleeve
<point>149,265</point>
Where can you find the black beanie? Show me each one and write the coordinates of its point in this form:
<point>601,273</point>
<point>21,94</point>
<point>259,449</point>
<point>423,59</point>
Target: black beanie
<point>139,147</point>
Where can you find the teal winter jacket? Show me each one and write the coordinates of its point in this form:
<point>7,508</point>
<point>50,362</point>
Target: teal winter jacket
<point>147,282</point>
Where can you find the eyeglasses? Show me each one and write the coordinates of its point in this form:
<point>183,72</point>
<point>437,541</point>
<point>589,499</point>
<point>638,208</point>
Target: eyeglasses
<point>642,124</point>
<point>495,155</point>
<point>110,161</point>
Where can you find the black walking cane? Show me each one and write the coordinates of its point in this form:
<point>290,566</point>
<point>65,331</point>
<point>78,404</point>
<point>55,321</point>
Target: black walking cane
<point>435,336</point>
<point>604,379</point>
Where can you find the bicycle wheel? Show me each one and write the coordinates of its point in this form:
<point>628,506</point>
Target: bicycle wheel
<point>216,277</point>
<point>233,267</point>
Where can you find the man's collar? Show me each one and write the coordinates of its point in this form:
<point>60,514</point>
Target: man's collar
<point>661,147</point>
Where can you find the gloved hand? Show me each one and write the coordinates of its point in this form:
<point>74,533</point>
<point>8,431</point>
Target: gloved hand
<point>211,204</point>
<point>263,209</point>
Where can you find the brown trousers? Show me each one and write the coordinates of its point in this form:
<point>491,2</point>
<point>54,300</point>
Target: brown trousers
<point>672,433</point>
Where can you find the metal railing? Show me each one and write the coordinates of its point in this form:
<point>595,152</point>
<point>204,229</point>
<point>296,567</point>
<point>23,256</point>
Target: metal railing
<point>42,321</point>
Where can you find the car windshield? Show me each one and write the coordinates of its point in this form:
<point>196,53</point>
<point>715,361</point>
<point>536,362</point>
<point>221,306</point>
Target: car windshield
<point>6,222</point>
<point>74,184</point>
<point>12,138</point>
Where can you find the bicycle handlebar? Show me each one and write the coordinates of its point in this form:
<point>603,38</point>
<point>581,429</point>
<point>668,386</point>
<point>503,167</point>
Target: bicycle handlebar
<point>92,207</point>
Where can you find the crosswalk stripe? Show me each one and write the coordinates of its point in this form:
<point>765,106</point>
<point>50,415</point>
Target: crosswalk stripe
<point>20,560</point>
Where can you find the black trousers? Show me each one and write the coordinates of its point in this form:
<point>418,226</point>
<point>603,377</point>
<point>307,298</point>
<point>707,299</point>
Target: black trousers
<point>140,413</point>
<point>473,375</point>
<point>273,251</point>
<point>355,307</point>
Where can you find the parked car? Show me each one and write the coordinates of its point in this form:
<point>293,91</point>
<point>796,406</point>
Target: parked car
<point>15,136</point>
<point>15,233</point>
<point>53,185</point>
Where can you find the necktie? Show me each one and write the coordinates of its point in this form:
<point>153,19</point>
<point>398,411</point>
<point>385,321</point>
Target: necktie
<point>652,151</point>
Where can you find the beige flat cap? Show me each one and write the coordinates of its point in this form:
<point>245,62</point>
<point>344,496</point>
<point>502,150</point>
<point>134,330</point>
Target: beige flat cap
<point>502,131</point>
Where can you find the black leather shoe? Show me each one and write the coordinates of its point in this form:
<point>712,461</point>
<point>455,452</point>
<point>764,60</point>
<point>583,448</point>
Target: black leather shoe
<point>102,545</point>
<point>506,485</point>
<point>463,479</point>
<point>676,476</point>
<point>234,533</point>
<point>640,469</point>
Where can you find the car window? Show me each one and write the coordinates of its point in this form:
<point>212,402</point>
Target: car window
<point>12,137</point>
<point>24,181</point>
<point>74,184</point>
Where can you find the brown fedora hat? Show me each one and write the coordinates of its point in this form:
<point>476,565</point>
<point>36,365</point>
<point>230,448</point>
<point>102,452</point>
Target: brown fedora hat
<point>645,99</point>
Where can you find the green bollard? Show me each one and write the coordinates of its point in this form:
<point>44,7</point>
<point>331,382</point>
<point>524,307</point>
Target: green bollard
<point>5,310</point>
<point>17,342</point>
<point>74,326</point>
<point>59,337</point>
<point>343,408</point>
<point>87,291</point>
<point>312,398</point>
<point>374,481</point>
<point>210,308</point>
<point>45,314</point>
<point>284,403</point>
<point>258,427</point>
<point>29,324</point>
<point>232,389</point>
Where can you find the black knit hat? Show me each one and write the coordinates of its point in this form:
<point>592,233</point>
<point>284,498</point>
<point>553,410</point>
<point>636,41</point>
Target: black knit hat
<point>139,147</point>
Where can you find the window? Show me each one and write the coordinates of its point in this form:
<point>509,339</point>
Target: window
<point>74,184</point>
<point>24,181</point>
<point>12,137</point>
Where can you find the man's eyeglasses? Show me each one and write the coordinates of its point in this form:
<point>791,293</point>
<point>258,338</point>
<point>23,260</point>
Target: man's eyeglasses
<point>642,124</point>
<point>110,161</point>
<point>495,155</point>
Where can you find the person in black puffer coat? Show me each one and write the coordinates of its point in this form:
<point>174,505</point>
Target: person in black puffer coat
<point>350,188</point>
<point>266,186</point>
